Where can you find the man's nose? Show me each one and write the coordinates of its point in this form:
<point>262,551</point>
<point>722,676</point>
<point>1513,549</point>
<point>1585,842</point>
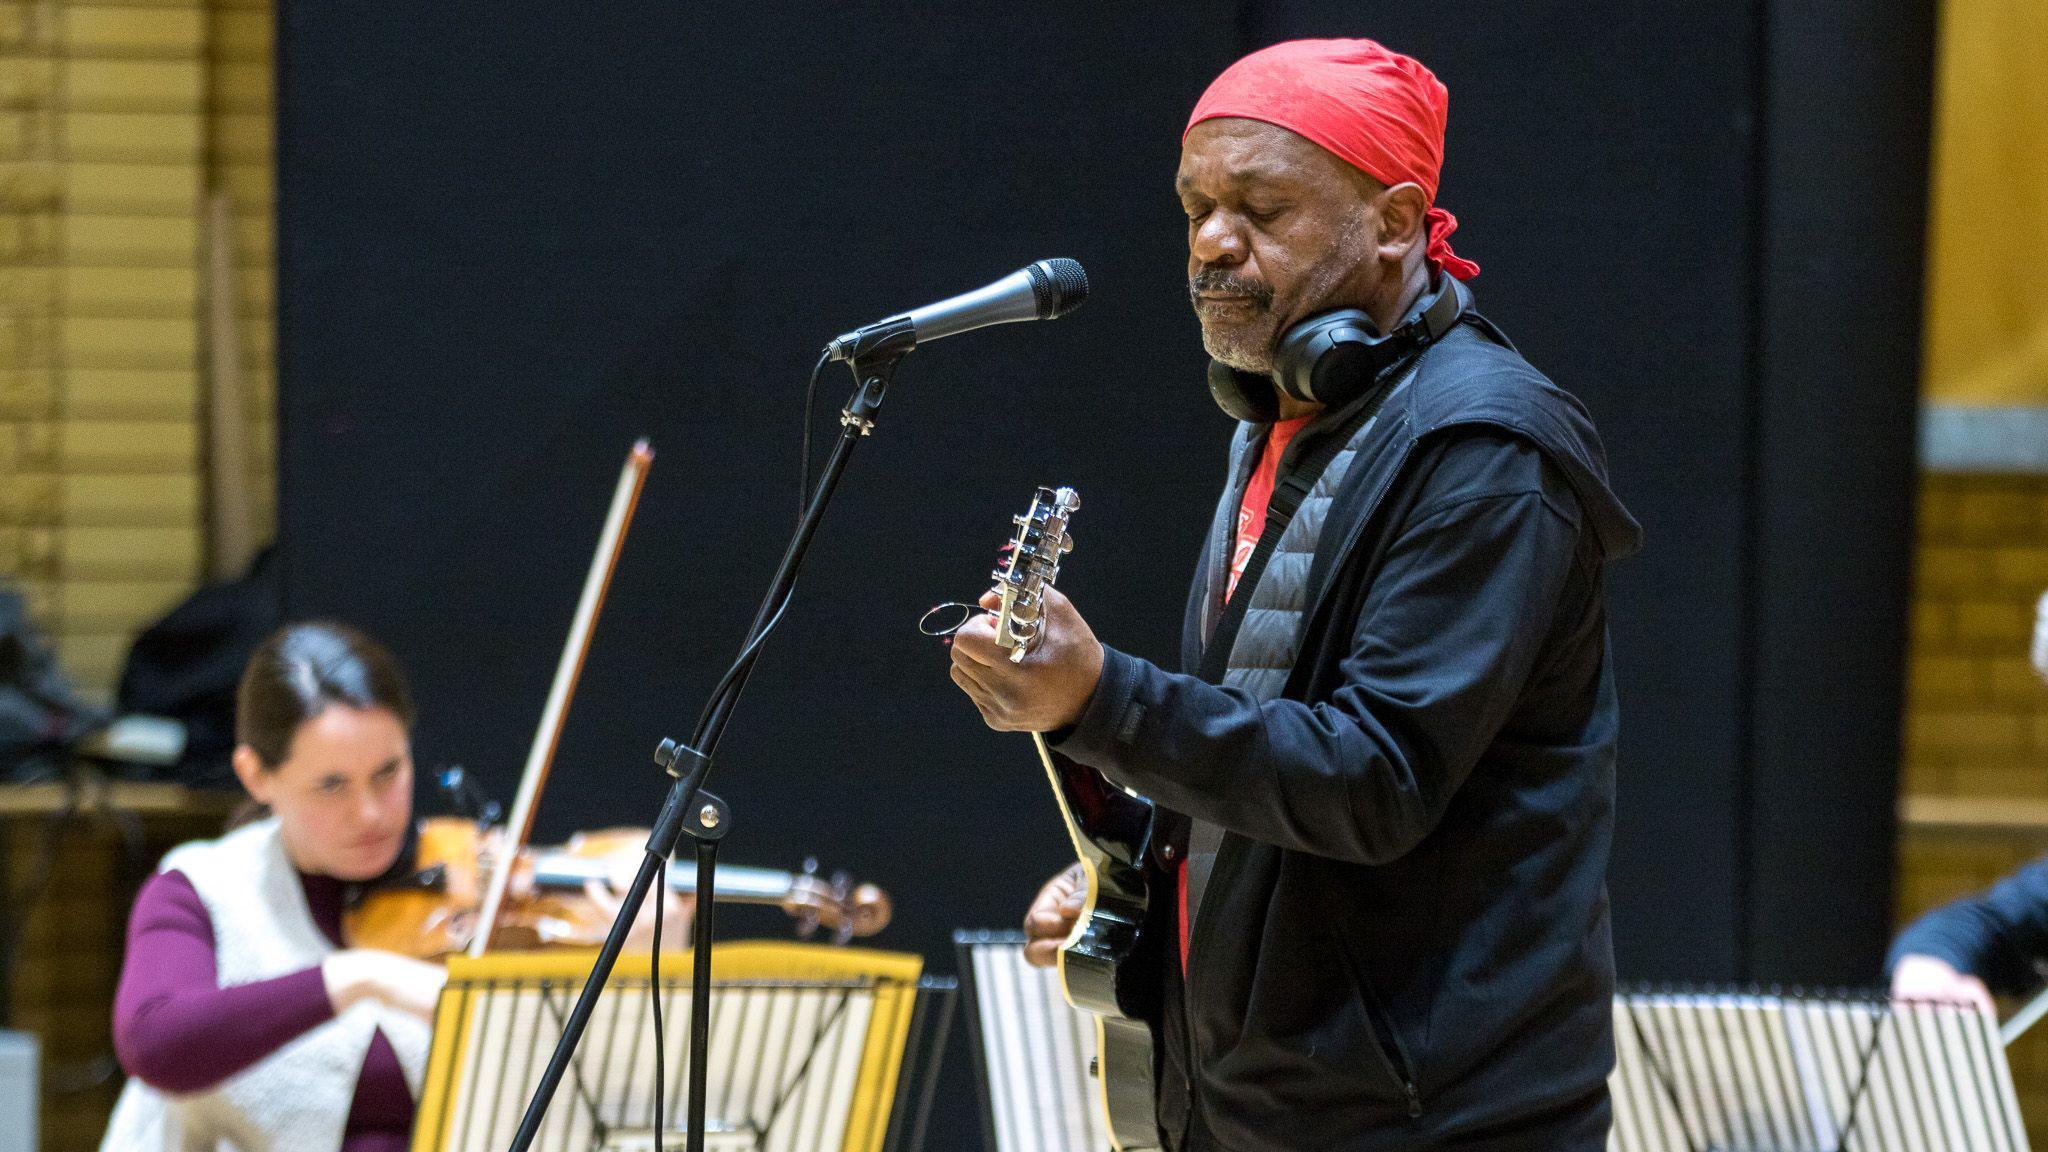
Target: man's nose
<point>1218,241</point>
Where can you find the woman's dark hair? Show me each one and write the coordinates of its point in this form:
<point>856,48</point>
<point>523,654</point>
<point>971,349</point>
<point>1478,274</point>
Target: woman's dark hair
<point>302,669</point>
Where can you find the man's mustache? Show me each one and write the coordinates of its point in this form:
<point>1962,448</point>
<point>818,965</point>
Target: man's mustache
<point>1224,282</point>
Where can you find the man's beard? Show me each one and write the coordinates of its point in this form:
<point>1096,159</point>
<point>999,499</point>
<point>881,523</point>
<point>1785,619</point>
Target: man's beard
<point>1247,345</point>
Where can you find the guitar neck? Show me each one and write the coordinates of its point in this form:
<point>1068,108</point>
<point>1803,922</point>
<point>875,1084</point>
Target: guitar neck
<point>736,884</point>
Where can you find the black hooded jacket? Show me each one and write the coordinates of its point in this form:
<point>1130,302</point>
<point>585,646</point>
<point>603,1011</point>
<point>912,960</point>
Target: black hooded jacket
<point>1404,941</point>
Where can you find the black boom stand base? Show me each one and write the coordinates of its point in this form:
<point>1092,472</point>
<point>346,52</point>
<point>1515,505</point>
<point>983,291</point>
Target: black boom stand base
<point>688,808</point>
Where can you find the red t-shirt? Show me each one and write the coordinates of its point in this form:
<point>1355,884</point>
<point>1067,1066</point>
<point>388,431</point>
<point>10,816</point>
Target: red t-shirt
<point>1251,524</point>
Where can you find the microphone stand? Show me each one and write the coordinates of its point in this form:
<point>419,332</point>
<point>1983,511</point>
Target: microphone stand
<point>874,360</point>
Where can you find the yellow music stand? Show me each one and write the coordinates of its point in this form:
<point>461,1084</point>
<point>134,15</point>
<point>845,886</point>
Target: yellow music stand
<point>806,1046</point>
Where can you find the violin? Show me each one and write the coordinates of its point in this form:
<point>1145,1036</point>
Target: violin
<point>430,911</point>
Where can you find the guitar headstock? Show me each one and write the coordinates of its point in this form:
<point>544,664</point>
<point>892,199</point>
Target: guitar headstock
<point>1032,565</point>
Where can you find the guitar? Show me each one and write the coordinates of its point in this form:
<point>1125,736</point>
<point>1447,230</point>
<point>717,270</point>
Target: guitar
<point>1102,969</point>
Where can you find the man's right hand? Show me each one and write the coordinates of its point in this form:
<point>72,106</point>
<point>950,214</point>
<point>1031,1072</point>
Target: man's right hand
<point>1052,916</point>
<point>1924,978</point>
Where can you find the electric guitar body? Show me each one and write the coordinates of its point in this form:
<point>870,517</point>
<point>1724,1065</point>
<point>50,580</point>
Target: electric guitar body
<point>1102,966</point>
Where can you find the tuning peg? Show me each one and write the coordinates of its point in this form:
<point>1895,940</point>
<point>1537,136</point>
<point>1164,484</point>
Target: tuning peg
<point>808,920</point>
<point>842,893</point>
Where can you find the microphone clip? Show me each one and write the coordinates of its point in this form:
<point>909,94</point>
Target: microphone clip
<point>874,364</point>
<point>895,336</point>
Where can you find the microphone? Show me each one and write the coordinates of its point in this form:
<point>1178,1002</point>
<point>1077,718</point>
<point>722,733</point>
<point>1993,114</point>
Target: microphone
<point>1040,291</point>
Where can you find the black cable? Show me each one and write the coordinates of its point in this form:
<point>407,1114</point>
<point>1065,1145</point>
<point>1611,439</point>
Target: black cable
<point>739,666</point>
<point>742,663</point>
<point>803,494</point>
<point>746,658</point>
<point>803,459</point>
<point>855,422</point>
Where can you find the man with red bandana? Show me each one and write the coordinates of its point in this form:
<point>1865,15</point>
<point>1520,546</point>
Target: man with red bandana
<point>1385,777</point>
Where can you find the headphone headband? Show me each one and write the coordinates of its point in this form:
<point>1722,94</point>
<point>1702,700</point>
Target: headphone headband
<point>1332,357</point>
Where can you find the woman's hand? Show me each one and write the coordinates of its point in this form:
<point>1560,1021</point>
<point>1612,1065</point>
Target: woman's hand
<point>609,895</point>
<point>399,983</point>
<point>675,914</point>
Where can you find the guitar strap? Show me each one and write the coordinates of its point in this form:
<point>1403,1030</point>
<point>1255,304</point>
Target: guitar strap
<point>1206,839</point>
<point>1288,493</point>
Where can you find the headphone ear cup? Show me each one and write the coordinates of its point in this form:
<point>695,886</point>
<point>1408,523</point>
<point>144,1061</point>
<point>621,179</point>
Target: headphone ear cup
<point>1345,369</point>
<point>1243,395</point>
<point>1329,359</point>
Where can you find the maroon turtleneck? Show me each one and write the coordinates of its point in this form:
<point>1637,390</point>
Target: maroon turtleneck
<point>177,1030</point>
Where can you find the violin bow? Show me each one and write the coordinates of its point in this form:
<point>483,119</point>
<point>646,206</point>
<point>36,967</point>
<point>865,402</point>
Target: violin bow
<point>540,758</point>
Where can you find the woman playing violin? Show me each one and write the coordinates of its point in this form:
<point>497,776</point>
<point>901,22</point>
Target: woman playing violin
<point>243,1017</point>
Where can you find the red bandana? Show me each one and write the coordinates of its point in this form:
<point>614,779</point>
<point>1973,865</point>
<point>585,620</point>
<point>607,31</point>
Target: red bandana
<point>1379,111</point>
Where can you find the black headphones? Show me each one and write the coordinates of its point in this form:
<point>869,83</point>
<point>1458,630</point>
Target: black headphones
<point>1333,357</point>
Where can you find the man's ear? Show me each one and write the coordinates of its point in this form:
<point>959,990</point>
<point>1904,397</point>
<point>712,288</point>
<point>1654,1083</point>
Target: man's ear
<point>249,770</point>
<point>1403,212</point>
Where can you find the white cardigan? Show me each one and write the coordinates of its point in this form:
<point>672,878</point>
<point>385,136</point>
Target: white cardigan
<point>297,1098</point>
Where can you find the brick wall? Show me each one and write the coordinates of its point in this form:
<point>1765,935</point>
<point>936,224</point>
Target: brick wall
<point>1977,715</point>
<point>115,121</point>
<point>116,118</point>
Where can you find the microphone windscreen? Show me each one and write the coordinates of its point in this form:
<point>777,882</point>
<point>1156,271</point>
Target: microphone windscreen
<point>1059,285</point>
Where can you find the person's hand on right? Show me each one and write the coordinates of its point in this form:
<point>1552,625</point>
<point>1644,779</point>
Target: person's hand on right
<point>1052,916</point>
<point>1926,979</point>
<point>400,983</point>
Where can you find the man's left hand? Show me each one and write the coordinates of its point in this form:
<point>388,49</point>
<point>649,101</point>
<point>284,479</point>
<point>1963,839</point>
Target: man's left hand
<point>1049,689</point>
